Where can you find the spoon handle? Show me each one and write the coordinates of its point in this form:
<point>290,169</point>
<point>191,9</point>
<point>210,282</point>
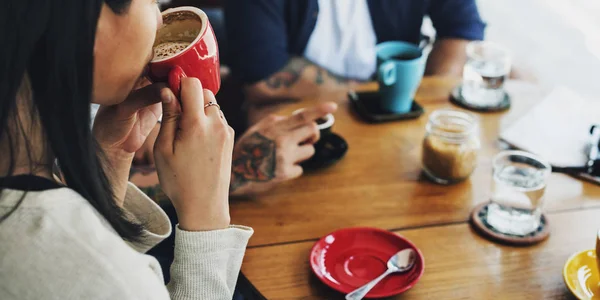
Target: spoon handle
<point>362,291</point>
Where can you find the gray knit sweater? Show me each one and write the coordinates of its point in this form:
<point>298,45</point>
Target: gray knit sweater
<point>57,246</point>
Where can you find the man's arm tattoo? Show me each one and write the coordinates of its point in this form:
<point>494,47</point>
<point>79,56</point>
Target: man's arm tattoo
<point>292,72</point>
<point>319,80</point>
<point>255,162</point>
<point>338,79</point>
<point>289,74</point>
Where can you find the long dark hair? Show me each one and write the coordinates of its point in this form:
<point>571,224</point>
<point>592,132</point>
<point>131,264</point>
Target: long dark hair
<point>51,43</point>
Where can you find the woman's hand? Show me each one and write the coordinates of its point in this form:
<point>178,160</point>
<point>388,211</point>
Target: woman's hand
<point>193,158</point>
<point>144,157</point>
<point>122,129</point>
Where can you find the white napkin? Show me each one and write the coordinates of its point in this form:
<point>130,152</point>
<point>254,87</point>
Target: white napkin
<point>557,129</point>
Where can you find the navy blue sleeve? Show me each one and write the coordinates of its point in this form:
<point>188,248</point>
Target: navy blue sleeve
<point>456,19</point>
<point>257,38</point>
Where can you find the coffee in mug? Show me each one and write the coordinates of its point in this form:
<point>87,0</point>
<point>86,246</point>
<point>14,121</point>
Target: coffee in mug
<point>168,49</point>
<point>186,46</point>
<point>321,121</point>
<point>405,56</point>
<point>400,68</point>
<point>179,30</point>
<point>324,123</point>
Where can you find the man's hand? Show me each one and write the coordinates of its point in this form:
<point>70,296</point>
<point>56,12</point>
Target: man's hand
<point>270,151</point>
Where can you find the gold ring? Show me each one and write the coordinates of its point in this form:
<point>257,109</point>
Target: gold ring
<point>212,103</point>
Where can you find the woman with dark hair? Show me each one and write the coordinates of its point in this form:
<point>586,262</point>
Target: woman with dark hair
<point>84,237</point>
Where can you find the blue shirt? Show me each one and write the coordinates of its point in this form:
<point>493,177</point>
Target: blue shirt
<point>264,34</point>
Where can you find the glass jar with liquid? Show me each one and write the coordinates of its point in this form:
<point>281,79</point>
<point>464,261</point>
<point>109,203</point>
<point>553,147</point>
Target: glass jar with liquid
<point>450,146</point>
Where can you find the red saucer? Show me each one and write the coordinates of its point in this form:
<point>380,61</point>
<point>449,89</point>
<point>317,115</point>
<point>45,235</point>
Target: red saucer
<point>348,258</point>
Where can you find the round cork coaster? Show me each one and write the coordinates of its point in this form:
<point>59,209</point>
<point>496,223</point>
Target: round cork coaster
<point>457,98</point>
<point>479,223</point>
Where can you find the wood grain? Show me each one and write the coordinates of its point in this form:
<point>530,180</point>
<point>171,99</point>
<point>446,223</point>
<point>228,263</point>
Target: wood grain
<point>379,182</point>
<point>458,264</point>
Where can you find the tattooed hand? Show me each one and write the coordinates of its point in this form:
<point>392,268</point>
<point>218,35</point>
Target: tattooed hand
<point>270,151</point>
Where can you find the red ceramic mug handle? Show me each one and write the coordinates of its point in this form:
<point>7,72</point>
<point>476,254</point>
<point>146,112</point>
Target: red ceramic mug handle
<point>175,76</point>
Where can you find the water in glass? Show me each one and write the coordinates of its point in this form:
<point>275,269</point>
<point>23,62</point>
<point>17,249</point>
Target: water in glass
<point>484,74</point>
<point>517,196</point>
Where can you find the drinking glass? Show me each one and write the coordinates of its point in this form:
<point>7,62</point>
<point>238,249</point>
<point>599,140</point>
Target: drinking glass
<point>484,74</point>
<point>518,187</point>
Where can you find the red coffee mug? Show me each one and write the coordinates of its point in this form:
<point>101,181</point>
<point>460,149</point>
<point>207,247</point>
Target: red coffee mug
<point>200,59</point>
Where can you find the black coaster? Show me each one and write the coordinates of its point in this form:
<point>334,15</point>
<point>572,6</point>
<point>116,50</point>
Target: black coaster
<point>457,98</point>
<point>479,223</point>
<point>365,104</point>
<point>328,150</point>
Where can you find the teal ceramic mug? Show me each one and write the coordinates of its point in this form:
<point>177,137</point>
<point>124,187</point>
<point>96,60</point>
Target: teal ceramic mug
<point>400,68</point>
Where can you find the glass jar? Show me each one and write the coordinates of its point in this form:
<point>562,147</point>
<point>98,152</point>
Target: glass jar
<point>450,146</point>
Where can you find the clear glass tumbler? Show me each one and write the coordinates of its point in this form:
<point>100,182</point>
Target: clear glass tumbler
<point>518,188</point>
<point>484,74</point>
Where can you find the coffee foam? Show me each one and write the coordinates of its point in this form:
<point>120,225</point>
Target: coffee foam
<point>179,30</point>
<point>168,49</point>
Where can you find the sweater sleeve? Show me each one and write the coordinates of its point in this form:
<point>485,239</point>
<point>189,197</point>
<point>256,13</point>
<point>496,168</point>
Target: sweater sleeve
<point>142,209</point>
<point>57,246</point>
<point>206,264</point>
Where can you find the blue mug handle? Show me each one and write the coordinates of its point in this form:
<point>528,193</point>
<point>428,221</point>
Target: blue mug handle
<point>387,73</point>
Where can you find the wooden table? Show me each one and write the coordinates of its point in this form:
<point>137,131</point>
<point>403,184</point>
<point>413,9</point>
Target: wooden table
<point>379,184</point>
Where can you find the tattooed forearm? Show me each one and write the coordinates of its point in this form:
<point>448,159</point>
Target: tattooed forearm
<point>294,70</point>
<point>289,74</point>
<point>320,79</point>
<point>255,161</point>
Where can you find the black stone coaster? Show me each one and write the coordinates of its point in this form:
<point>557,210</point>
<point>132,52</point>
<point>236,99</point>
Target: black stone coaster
<point>479,223</point>
<point>457,98</point>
